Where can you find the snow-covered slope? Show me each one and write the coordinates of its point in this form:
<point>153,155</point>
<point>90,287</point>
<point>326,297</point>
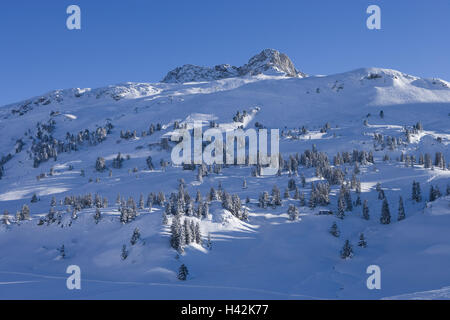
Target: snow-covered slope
<point>264,256</point>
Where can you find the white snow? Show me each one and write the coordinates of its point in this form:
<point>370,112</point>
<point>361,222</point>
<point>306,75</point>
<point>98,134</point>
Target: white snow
<point>267,257</point>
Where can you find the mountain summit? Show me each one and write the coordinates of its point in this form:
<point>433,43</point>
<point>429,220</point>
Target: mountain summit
<point>268,61</point>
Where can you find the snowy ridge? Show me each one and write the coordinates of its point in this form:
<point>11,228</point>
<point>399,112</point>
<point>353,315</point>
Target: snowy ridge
<point>269,62</point>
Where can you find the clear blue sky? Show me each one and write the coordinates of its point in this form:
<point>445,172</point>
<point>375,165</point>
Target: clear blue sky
<point>140,40</point>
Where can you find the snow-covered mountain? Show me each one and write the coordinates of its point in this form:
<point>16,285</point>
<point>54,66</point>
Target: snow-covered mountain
<point>363,127</point>
<point>268,61</point>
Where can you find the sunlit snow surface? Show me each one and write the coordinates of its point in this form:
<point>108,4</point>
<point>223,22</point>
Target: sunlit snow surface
<point>267,257</point>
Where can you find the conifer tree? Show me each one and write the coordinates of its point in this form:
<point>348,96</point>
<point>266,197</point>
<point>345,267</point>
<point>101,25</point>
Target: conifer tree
<point>362,241</point>
<point>385,213</point>
<point>62,252</point>
<point>34,199</point>
<point>401,210</point>
<point>25,213</point>
<point>135,237</point>
<point>302,200</point>
<point>347,250</point>
<point>165,220</point>
<point>124,253</point>
<point>365,210</point>
<point>341,208</point>
<point>97,216</point>
<point>334,230</point>
<point>293,213</point>
<point>183,273</point>
<point>209,242</point>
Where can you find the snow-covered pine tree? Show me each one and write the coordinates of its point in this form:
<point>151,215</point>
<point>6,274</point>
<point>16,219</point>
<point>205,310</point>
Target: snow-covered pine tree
<point>189,234</point>
<point>347,250</point>
<point>149,161</point>
<point>276,196</point>
<point>205,211</point>
<point>291,185</point>
<point>62,252</point>
<point>198,234</point>
<point>341,207</point>
<point>25,213</point>
<point>362,241</point>
<point>135,237</point>
<point>165,220</point>
<point>385,213</point>
<point>34,199</point>
<point>293,213</point>
<point>302,200</point>
<point>97,216</point>
<point>348,200</point>
<point>401,210</point>
<point>358,201</point>
<point>100,164</point>
<point>141,202</point>
<point>334,230</point>
<point>124,253</point>
<point>5,218</point>
<point>434,193</point>
<point>183,273</point>
<point>365,210</point>
<point>209,242</point>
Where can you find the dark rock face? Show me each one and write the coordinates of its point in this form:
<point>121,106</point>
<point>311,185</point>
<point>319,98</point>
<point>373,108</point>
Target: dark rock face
<point>269,61</point>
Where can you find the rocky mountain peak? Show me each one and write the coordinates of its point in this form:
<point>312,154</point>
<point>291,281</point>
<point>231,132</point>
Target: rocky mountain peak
<point>268,61</point>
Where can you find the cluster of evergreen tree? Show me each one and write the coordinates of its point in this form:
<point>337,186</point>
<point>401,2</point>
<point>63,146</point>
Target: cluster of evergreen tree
<point>183,234</point>
<point>416,193</point>
<point>181,204</point>
<point>133,134</point>
<point>320,194</point>
<point>84,201</point>
<point>23,214</point>
<point>295,133</point>
<point>434,193</point>
<point>439,161</point>
<point>345,202</point>
<point>118,161</point>
<point>408,160</point>
<point>274,200</point>
<point>240,117</point>
<point>390,142</point>
<point>128,210</point>
<point>45,146</point>
<point>100,164</point>
<point>356,156</point>
<point>233,204</point>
